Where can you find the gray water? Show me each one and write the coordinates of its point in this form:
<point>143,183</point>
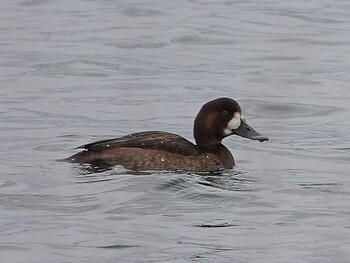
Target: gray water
<point>72,72</point>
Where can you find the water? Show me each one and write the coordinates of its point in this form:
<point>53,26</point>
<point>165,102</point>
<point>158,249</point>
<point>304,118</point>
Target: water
<point>77,71</point>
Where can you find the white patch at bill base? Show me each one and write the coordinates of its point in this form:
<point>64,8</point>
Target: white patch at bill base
<point>233,124</point>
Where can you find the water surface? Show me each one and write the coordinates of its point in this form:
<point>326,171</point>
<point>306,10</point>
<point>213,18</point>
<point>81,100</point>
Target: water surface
<point>73,72</point>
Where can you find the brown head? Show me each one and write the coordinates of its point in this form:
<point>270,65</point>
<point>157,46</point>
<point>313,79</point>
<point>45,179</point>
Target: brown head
<point>218,119</point>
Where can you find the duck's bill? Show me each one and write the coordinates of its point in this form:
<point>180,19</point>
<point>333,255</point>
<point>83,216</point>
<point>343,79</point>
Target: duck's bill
<point>246,131</point>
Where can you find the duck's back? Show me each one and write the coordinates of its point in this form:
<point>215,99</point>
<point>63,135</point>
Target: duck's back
<point>153,140</point>
<point>135,148</point>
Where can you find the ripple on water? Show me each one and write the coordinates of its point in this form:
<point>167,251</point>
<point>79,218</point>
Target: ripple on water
<point>322,187</point>
<point>138,43</point>
<point>219,225</point>
<point>7,183</point>
<point>51,203</point>
<point>209,189</point>
<point>140,11</point>
<point>294,110</point>
<point>202,40</point>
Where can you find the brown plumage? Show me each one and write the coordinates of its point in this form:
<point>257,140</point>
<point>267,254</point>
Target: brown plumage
<point>156,150</point>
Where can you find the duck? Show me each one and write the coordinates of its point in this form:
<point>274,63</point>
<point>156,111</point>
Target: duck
<point>159,150</point>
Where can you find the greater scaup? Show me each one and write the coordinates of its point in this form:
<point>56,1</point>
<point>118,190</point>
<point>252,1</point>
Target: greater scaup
<point>157,150</point>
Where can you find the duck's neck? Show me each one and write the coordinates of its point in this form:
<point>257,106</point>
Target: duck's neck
<point>205,134</point>
<point>205,140</point>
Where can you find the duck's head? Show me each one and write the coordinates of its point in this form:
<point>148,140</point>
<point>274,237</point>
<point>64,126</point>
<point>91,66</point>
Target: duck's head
<point>220,118</point>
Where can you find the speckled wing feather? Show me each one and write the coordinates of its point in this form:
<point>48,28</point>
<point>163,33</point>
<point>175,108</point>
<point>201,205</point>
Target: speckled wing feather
<point>154,140</point>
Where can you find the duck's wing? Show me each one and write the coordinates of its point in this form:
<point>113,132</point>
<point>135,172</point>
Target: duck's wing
<point>154,140</point>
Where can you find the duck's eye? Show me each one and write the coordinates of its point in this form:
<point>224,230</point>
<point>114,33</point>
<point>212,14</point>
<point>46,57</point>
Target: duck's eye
<point>224,112</point>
